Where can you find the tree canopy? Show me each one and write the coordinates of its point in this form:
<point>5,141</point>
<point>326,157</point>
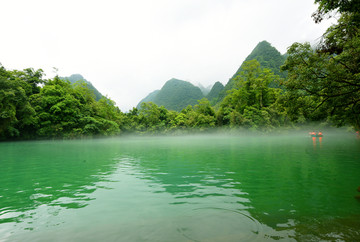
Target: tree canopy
<point>324,81</point>
<point>54,110</point>
<point>326,7</point>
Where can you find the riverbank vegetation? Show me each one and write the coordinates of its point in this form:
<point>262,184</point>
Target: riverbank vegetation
<point>321,83</point>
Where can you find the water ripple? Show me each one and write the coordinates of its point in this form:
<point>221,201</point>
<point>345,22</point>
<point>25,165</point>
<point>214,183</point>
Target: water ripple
<point>218,224</point>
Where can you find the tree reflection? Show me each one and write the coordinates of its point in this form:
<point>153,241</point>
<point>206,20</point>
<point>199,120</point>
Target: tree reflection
<point>53,173</point>
<point>278,180</point>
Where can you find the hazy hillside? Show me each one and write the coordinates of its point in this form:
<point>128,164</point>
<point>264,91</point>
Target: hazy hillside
<point>77,77</point>
<point>214,92</point>
<point>175,95</point>
<point>205,90</point>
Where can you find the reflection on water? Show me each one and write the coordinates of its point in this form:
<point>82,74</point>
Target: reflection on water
<point>208,188</point>
<point>43,178</point>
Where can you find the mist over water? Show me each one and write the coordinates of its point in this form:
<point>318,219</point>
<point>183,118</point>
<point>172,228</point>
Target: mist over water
<point>182,188</point>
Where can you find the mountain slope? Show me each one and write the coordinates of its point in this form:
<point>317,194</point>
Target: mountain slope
<point>268,57</point>
<point>175,95</point>
<point>214,92</point>
<point>77,77</point>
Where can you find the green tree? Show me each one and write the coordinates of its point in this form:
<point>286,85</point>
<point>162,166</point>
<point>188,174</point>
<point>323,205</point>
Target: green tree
<point>64,110</point>
<point>31,77</point>
<point>110,117</point>
<point>326,7</point>
<point>17,116</point>
<point>132,121</point>
<point>58,109</point>
<point>252,103</point>
<point>205,114</point>
<point>153,117</point>
<point>325,80</point>
<point>179,121</point>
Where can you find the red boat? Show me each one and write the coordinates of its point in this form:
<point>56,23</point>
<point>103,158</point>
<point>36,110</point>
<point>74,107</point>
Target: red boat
<point>313,134</point>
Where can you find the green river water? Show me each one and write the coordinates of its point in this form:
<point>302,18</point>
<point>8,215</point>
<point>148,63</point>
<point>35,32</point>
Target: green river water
<point>187,188</point>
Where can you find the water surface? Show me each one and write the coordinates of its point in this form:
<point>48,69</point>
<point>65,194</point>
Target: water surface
<point>197,188</point>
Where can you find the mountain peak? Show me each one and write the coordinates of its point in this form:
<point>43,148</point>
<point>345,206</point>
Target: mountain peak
<point>77,77</point>
<point>175,95</point>
<point>264,42</point>
<point>216,89</point>
<point>268,57</point>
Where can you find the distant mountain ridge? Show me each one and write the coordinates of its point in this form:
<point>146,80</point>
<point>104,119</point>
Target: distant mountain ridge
<point>205,90</point>
<point>177,94</point>
<point>77,77</point>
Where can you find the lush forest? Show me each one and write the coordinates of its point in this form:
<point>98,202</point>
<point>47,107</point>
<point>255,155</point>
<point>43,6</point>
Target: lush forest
<point>316,83</point>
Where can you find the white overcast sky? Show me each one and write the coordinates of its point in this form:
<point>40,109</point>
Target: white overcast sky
<point>128,49</point>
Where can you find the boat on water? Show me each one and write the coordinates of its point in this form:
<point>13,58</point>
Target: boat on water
<point>313,134</point>
<point>316,135</point>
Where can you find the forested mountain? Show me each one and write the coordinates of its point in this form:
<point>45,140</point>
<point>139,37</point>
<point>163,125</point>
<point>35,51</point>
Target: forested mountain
<point>148,98</point>
<point>268,57</point>
<point>175,95</point>
<point>214,92</point>
<point>77,77</point>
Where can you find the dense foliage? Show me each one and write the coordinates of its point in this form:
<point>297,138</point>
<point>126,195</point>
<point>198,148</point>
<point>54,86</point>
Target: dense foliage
<point>252,102</point>
<point>328,7</point>
<point>324,81</point>
<point>51,110</point>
